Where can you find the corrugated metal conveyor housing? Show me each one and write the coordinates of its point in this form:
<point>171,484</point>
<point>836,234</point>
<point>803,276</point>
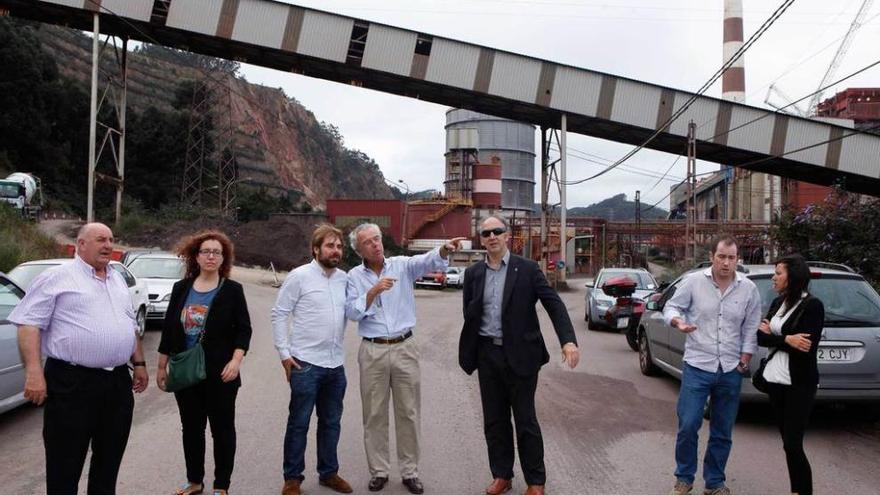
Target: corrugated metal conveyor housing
<point>464,75</point>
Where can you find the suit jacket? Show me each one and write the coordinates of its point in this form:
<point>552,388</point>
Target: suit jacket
<point>227,328</point>
<point>523,344</point>
<point>808,317</point>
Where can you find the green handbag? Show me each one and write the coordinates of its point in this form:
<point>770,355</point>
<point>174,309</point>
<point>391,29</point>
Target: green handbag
<point>187,368</point>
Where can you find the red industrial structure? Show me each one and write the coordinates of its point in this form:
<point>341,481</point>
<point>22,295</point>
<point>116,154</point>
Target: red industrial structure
<point>386,213</point>
<point>861,105</point>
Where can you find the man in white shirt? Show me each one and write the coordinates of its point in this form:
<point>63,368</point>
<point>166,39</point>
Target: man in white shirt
<point>312,356</point>
<point>719,310</point>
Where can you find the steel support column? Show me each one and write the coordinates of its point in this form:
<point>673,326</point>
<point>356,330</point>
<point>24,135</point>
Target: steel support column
<point>563,245</point>
<point>114,93</point>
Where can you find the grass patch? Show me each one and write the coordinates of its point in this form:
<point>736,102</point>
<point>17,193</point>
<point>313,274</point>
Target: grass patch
<point>21,240</point>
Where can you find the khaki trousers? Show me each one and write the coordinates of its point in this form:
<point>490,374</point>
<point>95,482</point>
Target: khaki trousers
<point>391,370</point>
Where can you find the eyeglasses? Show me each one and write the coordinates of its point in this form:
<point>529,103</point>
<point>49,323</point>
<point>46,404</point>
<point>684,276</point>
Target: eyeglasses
<point>497,231</point>
<point>211,252</point>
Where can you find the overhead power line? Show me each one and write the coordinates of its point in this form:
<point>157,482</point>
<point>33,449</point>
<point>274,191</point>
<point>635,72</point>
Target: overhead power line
<point>678,113</point>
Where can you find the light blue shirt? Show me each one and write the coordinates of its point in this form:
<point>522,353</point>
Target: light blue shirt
<point>493,292</point>
<point>393,312</point>
<point>317,303</point>
<point>727,323</point>
<point>84,319</point>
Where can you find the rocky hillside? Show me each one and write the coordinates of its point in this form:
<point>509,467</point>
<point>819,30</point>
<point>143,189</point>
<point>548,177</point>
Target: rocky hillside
<point>279,144</point>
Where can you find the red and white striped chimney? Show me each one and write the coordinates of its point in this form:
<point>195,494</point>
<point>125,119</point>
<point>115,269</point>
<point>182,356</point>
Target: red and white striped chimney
<point>733,82</point>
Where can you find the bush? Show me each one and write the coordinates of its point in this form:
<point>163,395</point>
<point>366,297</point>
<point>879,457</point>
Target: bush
<point>21,240</point>
<point>842,229</point>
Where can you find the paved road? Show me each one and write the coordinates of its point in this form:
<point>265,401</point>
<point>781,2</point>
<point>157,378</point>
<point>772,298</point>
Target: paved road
<point>607,428</point>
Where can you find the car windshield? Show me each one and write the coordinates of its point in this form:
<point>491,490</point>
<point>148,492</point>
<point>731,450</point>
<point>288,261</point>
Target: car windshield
<point>9,297</point>
<point>849,302</point>
<point>10,190</point>
<point>24,275</point>
<point>170,268</point>
<point>452,270</point>
<point>643,280</point>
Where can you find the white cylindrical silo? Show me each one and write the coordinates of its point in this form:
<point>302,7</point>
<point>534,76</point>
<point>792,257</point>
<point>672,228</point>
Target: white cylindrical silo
<point>512,142</point>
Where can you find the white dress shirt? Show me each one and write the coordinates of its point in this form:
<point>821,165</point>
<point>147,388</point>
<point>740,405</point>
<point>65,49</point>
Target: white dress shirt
<point>317,302</point>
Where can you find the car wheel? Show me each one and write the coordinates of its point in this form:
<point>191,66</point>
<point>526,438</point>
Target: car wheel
<point>646,364</point>
<point>632,337</point>
<point>141,322</point>
<point>589,319</point>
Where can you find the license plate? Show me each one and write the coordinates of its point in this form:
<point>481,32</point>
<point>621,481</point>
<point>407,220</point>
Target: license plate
<point>836,354</point>
<point>622,322</point>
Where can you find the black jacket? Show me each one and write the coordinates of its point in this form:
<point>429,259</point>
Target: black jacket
<point>228,326</point>
<point>523,344</point>
<point>808,317</point>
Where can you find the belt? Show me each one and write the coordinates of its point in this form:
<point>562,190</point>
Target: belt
<point>71,366</point>
<point>493,340</point>
<point>392,340</point>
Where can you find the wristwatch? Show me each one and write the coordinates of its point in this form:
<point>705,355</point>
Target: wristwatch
<point>743,366</point>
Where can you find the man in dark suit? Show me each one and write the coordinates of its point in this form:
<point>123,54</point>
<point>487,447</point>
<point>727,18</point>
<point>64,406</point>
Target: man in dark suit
<point>501,339</point>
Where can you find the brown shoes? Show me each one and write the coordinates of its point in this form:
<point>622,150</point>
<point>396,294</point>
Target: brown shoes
<point>535,490</point>
<point>336,483</point>
<point>291,487</point>
<point>499,486</point>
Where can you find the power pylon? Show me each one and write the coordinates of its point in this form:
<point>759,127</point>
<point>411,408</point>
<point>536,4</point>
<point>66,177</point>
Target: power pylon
<point>210,173</point>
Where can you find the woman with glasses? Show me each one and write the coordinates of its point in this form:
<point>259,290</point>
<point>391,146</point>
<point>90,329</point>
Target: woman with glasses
<point>208,308</point>
<point>792,330</point>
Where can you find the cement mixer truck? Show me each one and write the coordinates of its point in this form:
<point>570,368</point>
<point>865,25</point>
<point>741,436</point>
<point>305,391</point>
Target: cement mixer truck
<point>24,192</point>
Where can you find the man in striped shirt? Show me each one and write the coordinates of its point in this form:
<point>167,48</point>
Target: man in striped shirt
<point>79,317</point>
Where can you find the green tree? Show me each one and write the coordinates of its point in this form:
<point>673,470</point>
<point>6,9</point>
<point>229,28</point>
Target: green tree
<point>842,229</point>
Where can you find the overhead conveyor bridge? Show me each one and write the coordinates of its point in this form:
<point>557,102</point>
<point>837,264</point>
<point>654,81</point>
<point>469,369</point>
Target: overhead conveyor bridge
<point>465,75</point>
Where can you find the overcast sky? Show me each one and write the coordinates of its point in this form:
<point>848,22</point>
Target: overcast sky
<point>676,43</point>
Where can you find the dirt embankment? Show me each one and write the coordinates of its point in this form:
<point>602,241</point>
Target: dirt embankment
<point>282,240</point>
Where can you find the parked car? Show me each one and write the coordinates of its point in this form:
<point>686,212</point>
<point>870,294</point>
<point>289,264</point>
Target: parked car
<point>849,352</point>
<point>25,273</point>
<point>432,279</point>
<point>455,277</point>
<point>11,366</point>
<point>597,303</point>
<point>160,271</point>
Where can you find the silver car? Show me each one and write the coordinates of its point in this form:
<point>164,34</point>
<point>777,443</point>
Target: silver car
<point>160,271</point>
<point>25,273</point>
<point>597,302</point>
<point>849,352</point>
<point>11,367</point>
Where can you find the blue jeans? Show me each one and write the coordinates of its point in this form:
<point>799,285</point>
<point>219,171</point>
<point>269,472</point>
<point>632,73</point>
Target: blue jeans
<point>321,389</point>
<point>696,386</point>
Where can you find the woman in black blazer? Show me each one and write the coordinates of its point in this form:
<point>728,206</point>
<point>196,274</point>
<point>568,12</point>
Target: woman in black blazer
<point>207,305</point>
<point>792,330</point>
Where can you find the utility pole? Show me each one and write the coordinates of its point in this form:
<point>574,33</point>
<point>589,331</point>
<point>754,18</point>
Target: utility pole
<point>545,159</point>
<point>563,231</point>
<point>638,243</point>
<point>691,224</point>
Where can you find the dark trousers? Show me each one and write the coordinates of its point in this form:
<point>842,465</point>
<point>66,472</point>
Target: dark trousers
<point>322,390</point>
<point>84,407</point>
<point>791,408</point>
<point>214,401</point>
<point>501,392</point>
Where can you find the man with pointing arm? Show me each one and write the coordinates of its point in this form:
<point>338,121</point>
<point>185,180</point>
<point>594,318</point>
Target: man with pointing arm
<point>501,340</point>
<point>380,298</point>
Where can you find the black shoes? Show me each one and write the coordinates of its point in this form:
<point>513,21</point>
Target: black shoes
<point>377,483</point>
<point>414,485</point>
